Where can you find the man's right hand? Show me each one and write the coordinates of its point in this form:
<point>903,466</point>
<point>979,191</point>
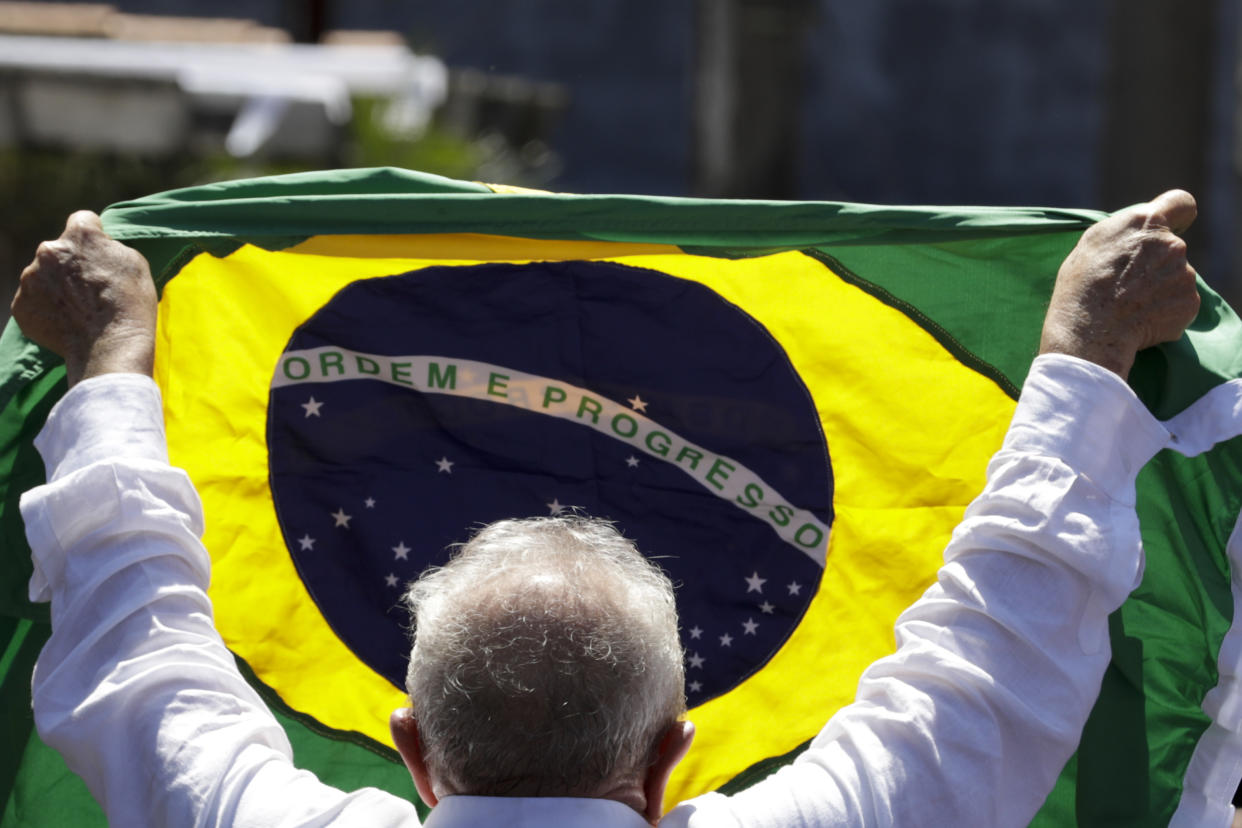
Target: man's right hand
<point>1126,286</point>
<point>91,300</point>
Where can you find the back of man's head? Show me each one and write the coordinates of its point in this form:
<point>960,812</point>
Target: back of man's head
<point>546,660</point>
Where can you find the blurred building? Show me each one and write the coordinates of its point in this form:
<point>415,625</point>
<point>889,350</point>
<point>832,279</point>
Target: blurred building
<point>90,77</point>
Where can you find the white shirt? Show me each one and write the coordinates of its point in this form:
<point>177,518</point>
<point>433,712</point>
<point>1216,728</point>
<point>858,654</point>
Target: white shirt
<point>968,724</point>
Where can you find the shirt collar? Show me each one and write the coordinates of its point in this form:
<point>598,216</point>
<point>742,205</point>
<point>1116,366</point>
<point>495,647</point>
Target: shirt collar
<point>541,811</point>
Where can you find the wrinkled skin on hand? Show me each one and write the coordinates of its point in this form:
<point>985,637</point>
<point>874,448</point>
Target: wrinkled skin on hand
<point>91,300</point>
<point>1126,286</point>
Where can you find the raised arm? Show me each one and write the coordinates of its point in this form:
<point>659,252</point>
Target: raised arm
<point>971,721</point>
<point>134,687</point>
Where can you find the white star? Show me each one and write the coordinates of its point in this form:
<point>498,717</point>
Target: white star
<point>696,660</point>
<point>694,686</point>
<point>750,626</point>
<point>390,579</point>
<point>369,502</point>
<point>631,461</point>
<point>795,588</point>
<point>766,608</point>
<point>555,507</point>
<point>726,640</point>
<point>307,542</point>
<point>403,551</point>
<point>696,632</point>
<point>341,518</point>
<point>755,584</point>
<point>637,403</point>
<point>445,465</point>
<point>312,407</point>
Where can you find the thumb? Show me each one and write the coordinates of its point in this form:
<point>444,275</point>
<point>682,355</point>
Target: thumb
<point>83,225</point>
<point>1175,209</point>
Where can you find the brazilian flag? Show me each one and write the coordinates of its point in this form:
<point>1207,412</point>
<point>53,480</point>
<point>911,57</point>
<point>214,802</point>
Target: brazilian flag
<point>789,405</point>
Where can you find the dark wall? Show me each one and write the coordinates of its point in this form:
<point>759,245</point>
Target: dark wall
<point>903,100</point>
<point>954,102</point>
<point>627,66</point>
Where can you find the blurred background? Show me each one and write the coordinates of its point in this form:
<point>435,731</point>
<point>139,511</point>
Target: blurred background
<point>971,102</point>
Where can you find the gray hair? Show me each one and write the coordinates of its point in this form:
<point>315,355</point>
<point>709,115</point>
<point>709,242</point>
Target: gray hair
<point>546,660</point>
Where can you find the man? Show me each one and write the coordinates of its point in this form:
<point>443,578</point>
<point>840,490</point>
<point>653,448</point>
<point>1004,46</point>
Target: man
<point>545,678</point>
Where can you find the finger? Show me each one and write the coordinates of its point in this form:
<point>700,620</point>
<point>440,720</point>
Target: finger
<point>49,252</point>
<point>26,297</point>
<point>83,224</point>
<point>1166,251</point>
<point>1175,210</point>
<point>1180,314</point>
